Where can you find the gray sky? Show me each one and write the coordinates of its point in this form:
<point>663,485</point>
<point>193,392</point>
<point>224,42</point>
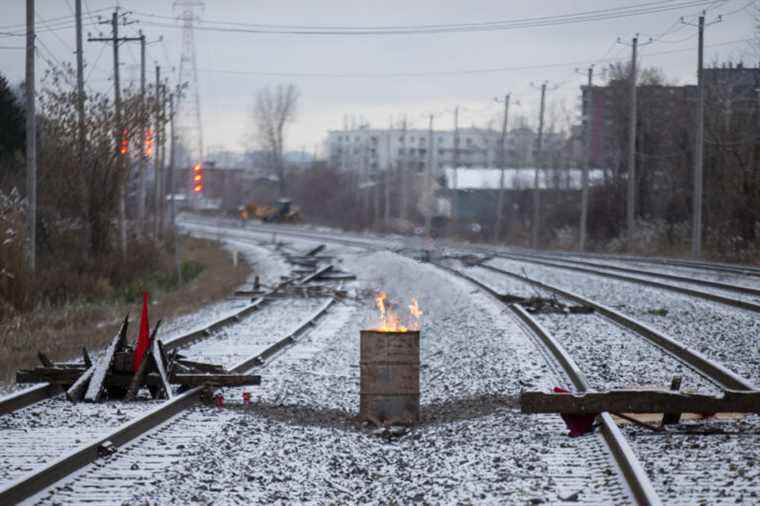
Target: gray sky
<point>232,64</point>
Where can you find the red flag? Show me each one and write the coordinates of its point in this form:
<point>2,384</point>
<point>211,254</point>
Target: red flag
<point>143,339</point>
<point>578,424</point>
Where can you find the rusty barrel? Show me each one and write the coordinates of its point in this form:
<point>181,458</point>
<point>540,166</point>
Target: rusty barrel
<point>390,376</point>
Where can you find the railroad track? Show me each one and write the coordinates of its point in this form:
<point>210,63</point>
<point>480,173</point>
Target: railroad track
<point>685,457</point>
<point>658,454</point>
<point>633,473</point>
<point>38,479</point>
<point>727,268</point>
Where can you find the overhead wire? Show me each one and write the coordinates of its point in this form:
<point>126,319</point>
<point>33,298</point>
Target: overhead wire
<point>519,23</point>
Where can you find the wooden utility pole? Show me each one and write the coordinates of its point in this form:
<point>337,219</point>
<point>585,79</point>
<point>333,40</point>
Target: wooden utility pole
<point>80,84</point>
<point>162,171</point>
<point>157,171</point>
<point>430,200</point>
<point>587,164</point>
<point>31,143</point>
<point>502,166</point>
<point>403,166</point>
<point>120,132</point>
<point>696,226</point>
<point>455,175</point>
<point>535,229</point>
<point>631,196</point>
<point>388,178</point>
<point>144,138</point>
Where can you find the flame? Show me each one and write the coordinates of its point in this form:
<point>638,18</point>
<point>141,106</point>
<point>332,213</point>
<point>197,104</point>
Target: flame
<point>390,321</point>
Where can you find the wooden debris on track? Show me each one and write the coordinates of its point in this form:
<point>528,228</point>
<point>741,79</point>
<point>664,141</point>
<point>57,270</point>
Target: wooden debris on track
<point>640,401</point>
<point>113,375</point>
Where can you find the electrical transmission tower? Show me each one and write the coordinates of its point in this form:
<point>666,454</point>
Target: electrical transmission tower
<point>188,120</point>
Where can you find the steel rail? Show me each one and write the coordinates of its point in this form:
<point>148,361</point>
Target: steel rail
<point>38,480</point>
<point>632,471</point>
<point>673,277</point>
<point>38,393</point>
<point>747,270</point>
<point>713,297</point>
<point>708,368</point>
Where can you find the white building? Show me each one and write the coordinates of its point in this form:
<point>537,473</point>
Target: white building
<point>371,150</point>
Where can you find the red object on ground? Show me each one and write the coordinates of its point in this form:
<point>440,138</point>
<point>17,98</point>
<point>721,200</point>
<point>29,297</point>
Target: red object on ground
<point>143,339</point>
<point>578,424</point>
<point>246,397</point>
<point>219,400</point>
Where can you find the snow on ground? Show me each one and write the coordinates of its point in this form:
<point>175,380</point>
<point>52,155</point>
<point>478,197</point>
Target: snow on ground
<point>723,333</point>
<point>299,442</point>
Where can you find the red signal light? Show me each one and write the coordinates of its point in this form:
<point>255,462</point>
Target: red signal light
<point>124,142</point>
<point>149,143</point>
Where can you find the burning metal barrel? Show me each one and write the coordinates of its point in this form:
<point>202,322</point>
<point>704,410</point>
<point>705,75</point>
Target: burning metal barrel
<point>390,376</point>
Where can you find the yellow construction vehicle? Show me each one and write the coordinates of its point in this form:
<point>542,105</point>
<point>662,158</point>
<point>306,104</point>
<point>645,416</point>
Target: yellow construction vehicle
<point>282,211</point>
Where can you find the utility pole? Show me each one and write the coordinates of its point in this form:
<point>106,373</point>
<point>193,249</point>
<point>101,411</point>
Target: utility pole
<point>503,162</point>
<point>388,173</point>
<point>172,203</point>
<point>80,83</point>
<point>162,172</point>
<point>587,164</point>
<point>631,196</point>
<point>429,180</point>
<point>696,226</point>
<point>455,178</point>
<point>120,132</point>
<point>535,229</point>
<point>143,155</point>
<point>157,171</point>
<point>403,163</point>
<point>31,144</point>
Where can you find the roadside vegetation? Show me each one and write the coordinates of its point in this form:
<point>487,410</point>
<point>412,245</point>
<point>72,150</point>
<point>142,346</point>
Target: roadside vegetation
<point>94,255</point>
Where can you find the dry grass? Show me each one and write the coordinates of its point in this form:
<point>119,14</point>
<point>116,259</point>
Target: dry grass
<point>62,331</point>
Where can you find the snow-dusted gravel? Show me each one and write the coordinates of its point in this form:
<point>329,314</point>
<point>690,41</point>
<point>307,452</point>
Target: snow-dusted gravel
<point>697,464</point>
<point>688,272</point>
<point>729,294</point>
<point>299,441</point>
<point>611,356</point>
<point>725,334</point>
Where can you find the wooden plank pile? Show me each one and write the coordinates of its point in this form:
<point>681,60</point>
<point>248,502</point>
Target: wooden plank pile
<point>114,375</point>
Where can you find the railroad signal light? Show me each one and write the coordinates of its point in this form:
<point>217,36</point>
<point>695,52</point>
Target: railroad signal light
<point>149,143</point>
<point>124,142</point>
<point>197,178</point>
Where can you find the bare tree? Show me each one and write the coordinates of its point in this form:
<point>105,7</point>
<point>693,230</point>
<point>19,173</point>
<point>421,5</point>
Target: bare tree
<point>273,110</point>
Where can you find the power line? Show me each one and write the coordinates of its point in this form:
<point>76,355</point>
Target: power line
<point>372,75</point>
<point>520,23</point>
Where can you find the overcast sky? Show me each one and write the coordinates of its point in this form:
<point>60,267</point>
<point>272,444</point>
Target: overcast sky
<point>233,65</point>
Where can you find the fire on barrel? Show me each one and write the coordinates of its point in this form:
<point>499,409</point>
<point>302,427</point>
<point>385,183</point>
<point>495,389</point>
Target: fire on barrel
<point>390,366</point>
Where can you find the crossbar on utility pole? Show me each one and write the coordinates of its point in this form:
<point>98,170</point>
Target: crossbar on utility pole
<point>31,143</point>
<point>502,170</point>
